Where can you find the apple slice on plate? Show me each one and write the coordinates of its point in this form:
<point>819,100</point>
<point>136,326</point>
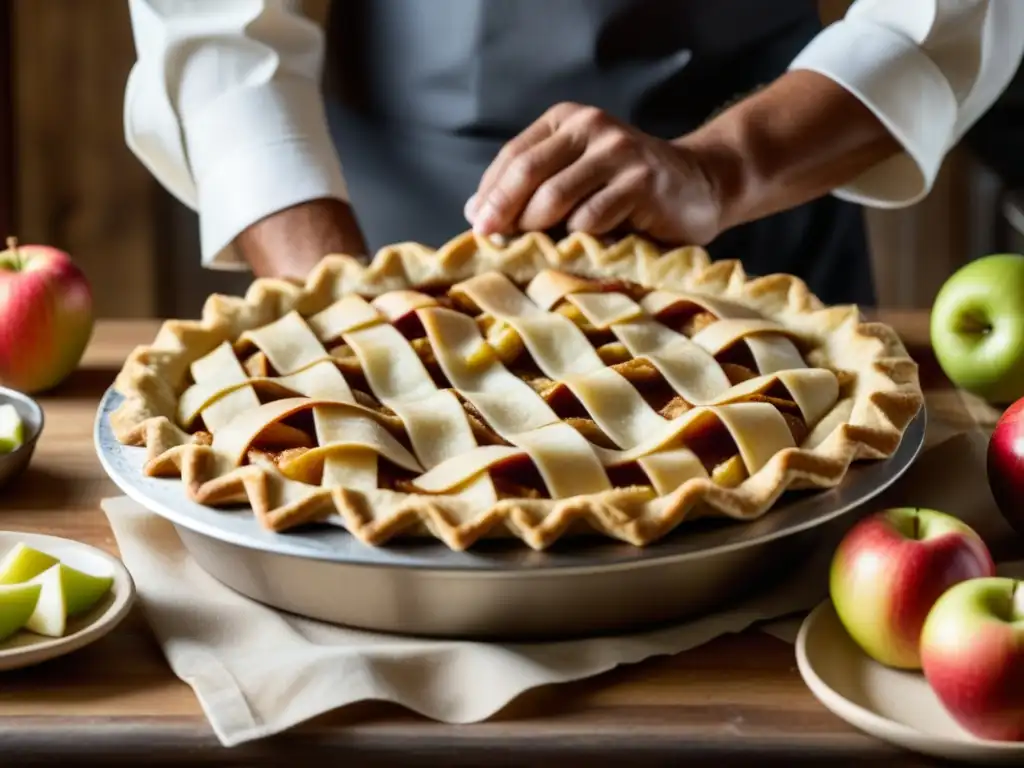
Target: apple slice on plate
<point>23,563</point>
<point>81,592</point>
<point>12,429</point>
<point>65,592</point>
<point>50,617</point>
<point>17,603</point>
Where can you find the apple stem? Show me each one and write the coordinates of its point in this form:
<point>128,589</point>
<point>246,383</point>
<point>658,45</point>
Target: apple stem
<point>974,324</point>
<point>917,523</point>
<point>12,246</point>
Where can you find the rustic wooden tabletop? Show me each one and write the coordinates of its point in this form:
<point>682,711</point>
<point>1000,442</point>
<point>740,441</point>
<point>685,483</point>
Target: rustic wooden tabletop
<point>736,699</point>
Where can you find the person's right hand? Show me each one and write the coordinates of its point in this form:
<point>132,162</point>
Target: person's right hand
<point>289,243</point>
<point>580,165</point>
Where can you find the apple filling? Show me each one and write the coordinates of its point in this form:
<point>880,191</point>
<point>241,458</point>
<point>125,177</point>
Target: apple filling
<point>283,444</point>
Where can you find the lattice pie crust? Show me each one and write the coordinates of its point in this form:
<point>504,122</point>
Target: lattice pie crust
<point>528,387</point>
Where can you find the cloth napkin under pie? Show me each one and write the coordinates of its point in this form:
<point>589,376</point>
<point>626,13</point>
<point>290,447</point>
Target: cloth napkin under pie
<point>256,671</point>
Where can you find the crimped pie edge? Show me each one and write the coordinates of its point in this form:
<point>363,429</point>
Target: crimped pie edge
<point>867,425</point>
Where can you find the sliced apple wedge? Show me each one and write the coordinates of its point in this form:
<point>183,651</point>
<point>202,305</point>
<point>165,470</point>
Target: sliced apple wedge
<point>83,590</point>
<point>50,617</point>
<point>12,430</point>
<point>65,592</point>
<point>23,563</point>
<point>17,604</point>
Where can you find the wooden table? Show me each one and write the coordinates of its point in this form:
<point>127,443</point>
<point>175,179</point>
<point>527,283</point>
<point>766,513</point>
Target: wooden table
<point>117,702</point>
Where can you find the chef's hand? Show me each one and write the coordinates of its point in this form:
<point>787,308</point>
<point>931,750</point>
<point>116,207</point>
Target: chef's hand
<point>580,165</point>
<point>797,139</point>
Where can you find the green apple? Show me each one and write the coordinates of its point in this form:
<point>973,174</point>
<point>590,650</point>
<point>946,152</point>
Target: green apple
<point>977,327</point>
<point>65,592</point>
<point>12,430</point>
<point>17,603</point>
<point>23,563</point>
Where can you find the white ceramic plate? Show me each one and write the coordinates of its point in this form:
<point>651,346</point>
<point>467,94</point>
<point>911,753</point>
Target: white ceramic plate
<point>25,649</point>
<point>895,706</point>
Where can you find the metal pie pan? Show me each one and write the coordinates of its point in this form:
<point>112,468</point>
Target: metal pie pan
<point>500,589</point>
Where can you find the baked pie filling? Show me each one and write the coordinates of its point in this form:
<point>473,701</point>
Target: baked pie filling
<point>530,401</point>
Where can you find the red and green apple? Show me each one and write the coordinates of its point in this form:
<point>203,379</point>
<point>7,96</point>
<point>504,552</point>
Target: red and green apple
<point>1005,464</point>
<point>889,570</point>
<point>46,316</point>
<point>972,653</point>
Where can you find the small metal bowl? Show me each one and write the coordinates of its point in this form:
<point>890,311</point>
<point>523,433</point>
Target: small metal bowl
<point>14,463</point>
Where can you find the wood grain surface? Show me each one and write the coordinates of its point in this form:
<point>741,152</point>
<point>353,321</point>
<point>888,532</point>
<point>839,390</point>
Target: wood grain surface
<point>78,187</point>
<point>7,154</point>
<point>738,699</point>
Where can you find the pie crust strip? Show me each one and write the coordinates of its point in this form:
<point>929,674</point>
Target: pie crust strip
<point>563,457</point>
<point>349,440</point>
<point>689,365</point>
<point>434,419</point>
<point>564,354</point>
<point>508,403</point>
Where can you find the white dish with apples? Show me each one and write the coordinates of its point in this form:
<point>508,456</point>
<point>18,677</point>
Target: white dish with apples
<point>26,648</point>
<point>893,705</point>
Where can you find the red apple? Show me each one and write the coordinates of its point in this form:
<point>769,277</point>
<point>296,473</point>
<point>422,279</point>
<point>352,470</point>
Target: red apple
<point>972,652</point>
<point>1006,464</point>
<point>889,570</point>
<point>45,316</point>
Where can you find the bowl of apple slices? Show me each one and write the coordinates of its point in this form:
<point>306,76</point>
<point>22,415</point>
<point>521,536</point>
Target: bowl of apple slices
<point>21,423</point>
<point>56,595</point>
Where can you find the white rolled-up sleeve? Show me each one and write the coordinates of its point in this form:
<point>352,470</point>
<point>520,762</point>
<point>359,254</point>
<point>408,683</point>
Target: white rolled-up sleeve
<point>224,108</point>
<point>928,69</point>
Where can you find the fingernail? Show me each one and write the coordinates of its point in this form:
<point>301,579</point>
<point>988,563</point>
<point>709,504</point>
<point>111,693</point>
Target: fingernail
<point>469,210</point>
<point>485,218</point>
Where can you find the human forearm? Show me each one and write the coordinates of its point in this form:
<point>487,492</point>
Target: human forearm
<point>794,141</point>
<point>897,85</point>
<point>928,69</point>
<point>289,243</point>
<point>224,107</point>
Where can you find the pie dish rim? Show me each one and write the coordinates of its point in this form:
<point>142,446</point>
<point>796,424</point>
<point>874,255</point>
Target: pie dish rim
<point>501,556</point>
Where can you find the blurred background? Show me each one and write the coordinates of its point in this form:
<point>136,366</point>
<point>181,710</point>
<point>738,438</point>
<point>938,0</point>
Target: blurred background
<point>67,178</point>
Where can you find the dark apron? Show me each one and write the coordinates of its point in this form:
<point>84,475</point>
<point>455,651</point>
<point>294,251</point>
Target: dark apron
<point>421,95</point>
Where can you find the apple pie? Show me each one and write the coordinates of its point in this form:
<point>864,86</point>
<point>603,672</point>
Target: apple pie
<point>526,388</point>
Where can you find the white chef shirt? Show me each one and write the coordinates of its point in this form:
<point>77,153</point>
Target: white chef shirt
<point>223,105</point>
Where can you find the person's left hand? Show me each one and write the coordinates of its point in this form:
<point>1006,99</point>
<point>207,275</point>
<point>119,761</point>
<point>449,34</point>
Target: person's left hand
<point>579,165</point>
